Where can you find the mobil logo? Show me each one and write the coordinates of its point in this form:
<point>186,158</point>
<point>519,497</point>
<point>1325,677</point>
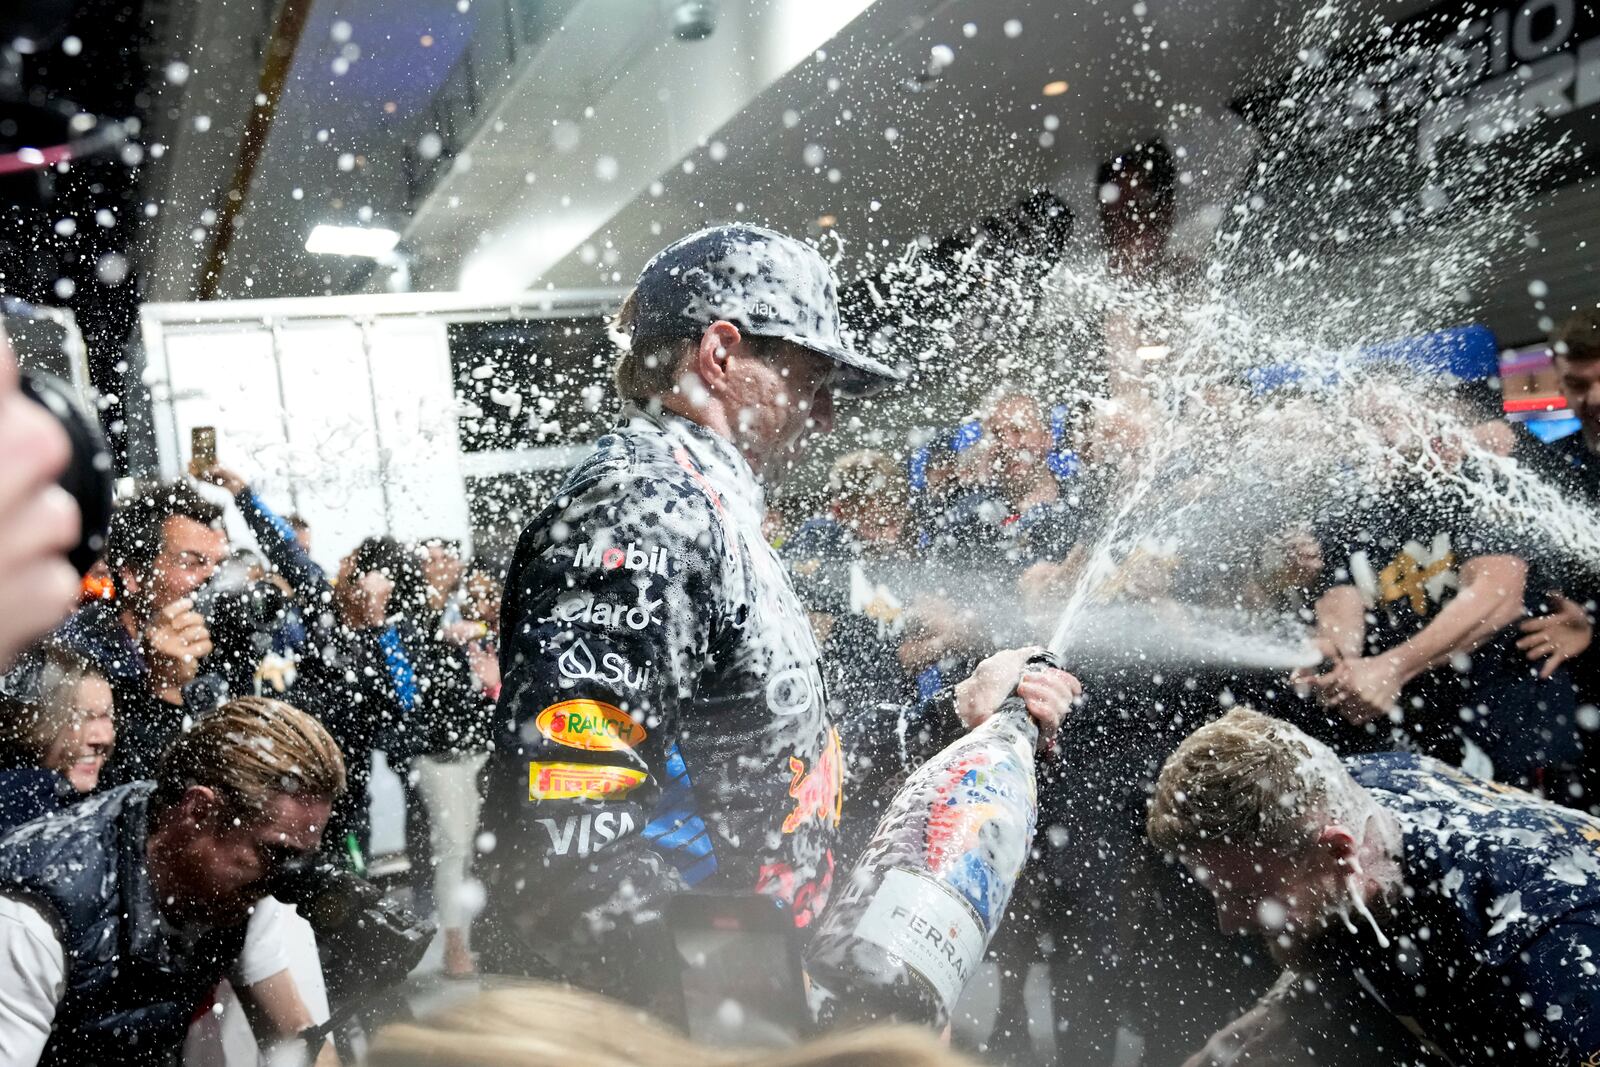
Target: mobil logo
<point>590,725</point>
<point>597,555</point>
<point>818,793</point>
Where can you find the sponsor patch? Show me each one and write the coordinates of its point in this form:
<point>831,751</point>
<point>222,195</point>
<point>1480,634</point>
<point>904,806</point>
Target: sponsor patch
<point>590,725</point>
<point>581,781</point>
<point>585,608</point>
<point>610,558</point>
<point>818,794</point>
<point>584,835</point>
<point>577,664</point>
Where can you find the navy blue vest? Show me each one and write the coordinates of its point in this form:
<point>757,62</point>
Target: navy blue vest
<point>133,981</point>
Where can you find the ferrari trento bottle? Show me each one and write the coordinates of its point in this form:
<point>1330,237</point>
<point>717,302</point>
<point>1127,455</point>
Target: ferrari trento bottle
<point>905,932</point>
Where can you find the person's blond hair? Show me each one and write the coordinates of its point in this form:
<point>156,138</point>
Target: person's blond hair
<point>539,1025</point>
<point>1247,780</point>
<point>249,750</point>
<point>648,366</point>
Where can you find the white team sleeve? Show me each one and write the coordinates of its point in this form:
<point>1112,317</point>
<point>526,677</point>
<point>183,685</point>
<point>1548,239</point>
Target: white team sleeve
<point>33,979</point>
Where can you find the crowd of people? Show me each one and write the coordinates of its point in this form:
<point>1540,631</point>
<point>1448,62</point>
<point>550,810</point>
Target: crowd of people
<point>669,689</point>
<point>1442,638</point>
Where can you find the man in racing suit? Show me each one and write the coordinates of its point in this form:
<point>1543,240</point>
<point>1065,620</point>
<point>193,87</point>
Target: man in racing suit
<point>664,723</point>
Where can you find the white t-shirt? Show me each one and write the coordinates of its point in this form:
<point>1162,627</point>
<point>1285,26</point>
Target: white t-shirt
<point>277,938</point>
<point>33,970</point>
<point>33,979</point>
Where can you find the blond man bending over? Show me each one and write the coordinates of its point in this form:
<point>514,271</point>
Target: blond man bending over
<point>1395,890</point>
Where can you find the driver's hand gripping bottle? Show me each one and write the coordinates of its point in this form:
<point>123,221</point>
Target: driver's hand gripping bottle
<point>904,933</point>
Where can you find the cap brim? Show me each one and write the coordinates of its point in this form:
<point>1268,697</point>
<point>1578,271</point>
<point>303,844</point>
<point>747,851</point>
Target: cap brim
<point>864,375</point>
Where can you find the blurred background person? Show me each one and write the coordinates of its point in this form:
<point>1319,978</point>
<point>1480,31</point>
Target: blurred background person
<point>443,569</point>
<point>851,569</point>
<point>454,710</point>
<point>302,530</point>
<point>1015,504</point>
<point>149,642</point>
<point>57,727</point>
<point>358,678</point>
<point>482,606</point>
<point>1575,348</point>
<point>1418,610</point>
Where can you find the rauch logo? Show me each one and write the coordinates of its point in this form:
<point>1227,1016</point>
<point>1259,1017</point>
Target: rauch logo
<point>590,725</point>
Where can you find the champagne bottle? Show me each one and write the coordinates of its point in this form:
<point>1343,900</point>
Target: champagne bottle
<point>905,932</point>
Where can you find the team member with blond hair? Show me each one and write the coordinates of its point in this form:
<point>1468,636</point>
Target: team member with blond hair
<point>119,917</point>
<point>1389,885</point>
<point>533,1026</point>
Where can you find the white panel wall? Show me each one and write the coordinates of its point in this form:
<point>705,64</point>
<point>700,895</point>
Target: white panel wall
<point>414,396</point>
<point>225,377</point>
<point>351,422</point>
<point>333,437</point>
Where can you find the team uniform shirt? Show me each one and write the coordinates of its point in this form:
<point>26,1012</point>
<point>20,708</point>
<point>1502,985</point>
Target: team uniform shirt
<point>1493,946</point>
<point>664,722</point>
<point>1403,552</point>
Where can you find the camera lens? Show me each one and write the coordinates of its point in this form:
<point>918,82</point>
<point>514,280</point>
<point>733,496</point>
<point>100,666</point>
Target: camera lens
<point>88,475</point>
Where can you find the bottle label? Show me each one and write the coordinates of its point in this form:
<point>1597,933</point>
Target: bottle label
<point>926,925</point>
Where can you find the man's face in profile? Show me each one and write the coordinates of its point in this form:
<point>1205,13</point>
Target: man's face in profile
<point>221,865</point>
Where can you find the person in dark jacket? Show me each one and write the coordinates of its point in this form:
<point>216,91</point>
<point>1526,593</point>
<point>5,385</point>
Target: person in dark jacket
<point>56,730</point>
<point>149,642</point>
<point>359,678</point>
<point>119,916</point>
<point>1395,890</point>
<point>454,711</point>
<point>664,723</point>
<point>358,673</point>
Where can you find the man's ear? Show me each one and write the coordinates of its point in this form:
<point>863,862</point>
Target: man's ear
<point>128,580</point>
<point>710,362</point>
<point>199,806</point>
<point>1337,842</point>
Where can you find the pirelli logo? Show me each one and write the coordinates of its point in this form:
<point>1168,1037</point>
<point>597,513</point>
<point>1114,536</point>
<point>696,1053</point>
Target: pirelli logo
<point>581,781</point>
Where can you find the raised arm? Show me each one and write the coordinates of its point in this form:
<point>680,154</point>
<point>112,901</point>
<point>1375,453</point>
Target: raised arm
<point>273,533</point>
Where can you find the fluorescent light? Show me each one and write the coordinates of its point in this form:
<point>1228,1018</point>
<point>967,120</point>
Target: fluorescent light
<point>352,241</point>
<point>1152,353</point>
<point>1055,88</point>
